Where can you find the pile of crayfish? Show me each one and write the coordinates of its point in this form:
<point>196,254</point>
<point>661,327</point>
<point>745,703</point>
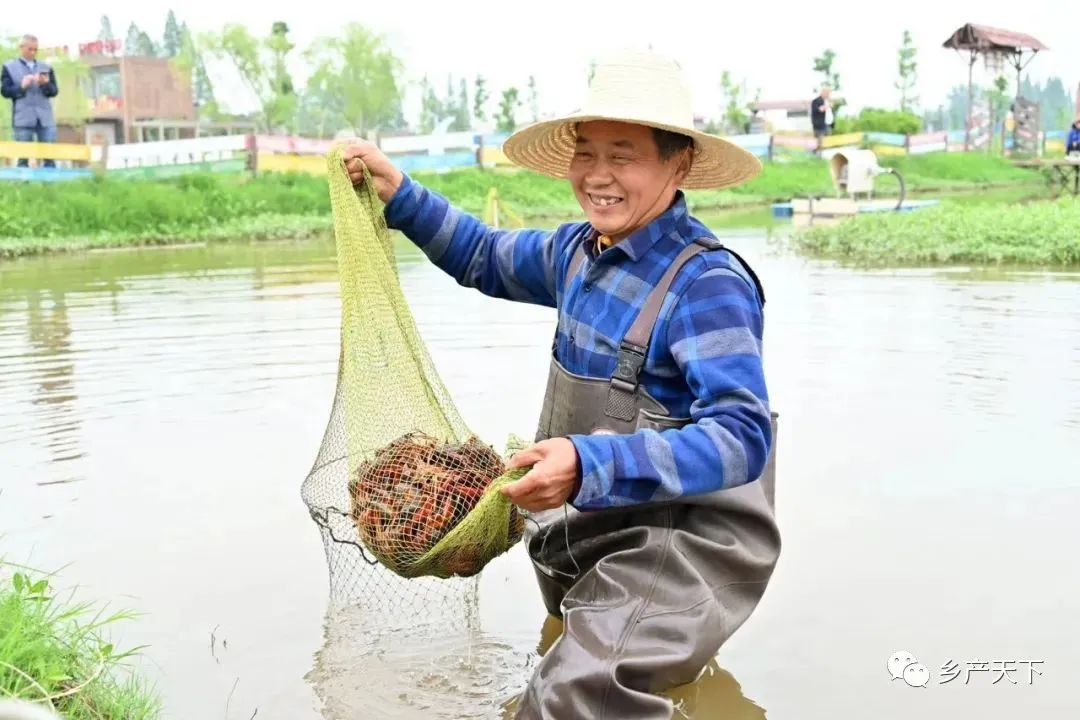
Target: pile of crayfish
<point>416,489</point>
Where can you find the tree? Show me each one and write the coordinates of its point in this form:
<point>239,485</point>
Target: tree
<point>462,117</point>
<point>999,104</point>
<point>735,113</point>
<point>358,77</point>
<point>956,106</point>
<point>534,100</point>
<point>260,64</point>
<point>430,107</point>
<point>480,98</point>
<point>190,60</point>
<point>508,105</point>
<point>906,66</point>
<point>936,120</point>
<point>105,34</point>
<point>454,108</point>
<point>823,64</point>
<point>171,40</point>
<point>144,46</point>
<point>131,42</point>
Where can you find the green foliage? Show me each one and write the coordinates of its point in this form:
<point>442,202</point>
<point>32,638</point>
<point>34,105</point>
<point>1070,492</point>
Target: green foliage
<point>462,116</point>
<point>534,100</point>
<point>431,110</point>
<point>506,121</point>
<point>885,121</point>
<point>110,212</point>
<point>1041,233</point>
<point>823,65</point>
<point>356,79</point>
<point>9,48</point>
<point>55,651</point>
<point>954,170</point>
<point>261,65</point>
<point>907,69</point>
<point>480,99</point>
<point>1056,109</point>
<point>71,105</point>
<point>155,208</point>
<point>106,31</point>
<point>171,41</point>
<point>190,61</point>
<point>736,106</point>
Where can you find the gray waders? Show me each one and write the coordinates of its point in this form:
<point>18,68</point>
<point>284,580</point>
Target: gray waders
<point>647,593</point>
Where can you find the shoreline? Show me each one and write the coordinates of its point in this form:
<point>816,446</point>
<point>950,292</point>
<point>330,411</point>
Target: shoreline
<point>282,226</point>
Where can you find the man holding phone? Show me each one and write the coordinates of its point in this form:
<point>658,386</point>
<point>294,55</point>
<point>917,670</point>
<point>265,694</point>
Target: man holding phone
<point>30,85</point>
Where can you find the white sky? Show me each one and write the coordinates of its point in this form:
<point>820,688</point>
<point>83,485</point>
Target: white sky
<point>770,44</point>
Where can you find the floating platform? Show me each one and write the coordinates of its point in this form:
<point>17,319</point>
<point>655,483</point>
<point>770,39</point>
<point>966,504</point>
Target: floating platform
<point>844,207</point>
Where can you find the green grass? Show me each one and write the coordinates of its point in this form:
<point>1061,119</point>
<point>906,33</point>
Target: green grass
<point>257,227</point>
<point>110,212</point>
<point>1043,233</point>
<point>54,652</point>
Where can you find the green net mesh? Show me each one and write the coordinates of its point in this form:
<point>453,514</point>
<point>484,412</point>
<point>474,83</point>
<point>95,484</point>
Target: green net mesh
<point>399,480</point>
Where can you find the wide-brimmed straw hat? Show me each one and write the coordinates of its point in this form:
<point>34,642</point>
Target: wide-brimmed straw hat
<point>642,88</point>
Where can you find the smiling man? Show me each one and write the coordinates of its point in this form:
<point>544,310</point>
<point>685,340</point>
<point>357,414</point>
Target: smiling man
<point>651,481</point>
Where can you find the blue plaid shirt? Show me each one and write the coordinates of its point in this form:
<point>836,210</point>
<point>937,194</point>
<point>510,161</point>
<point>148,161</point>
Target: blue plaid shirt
<point>704,359</point>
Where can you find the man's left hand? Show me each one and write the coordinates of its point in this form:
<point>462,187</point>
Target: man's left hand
<point>550,481</point>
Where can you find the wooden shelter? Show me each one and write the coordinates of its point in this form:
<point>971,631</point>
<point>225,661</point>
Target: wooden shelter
<point>991,43</point>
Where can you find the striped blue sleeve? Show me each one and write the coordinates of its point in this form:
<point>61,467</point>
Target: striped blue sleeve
<point>715,336</point>
<point>510,264</point>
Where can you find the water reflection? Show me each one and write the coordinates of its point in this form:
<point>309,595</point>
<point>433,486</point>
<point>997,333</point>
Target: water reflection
<point>51,369</point>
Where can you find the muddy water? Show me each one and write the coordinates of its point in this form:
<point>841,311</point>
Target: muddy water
<point>159,409</point>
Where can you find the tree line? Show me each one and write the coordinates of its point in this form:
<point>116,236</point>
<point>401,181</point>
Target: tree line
<point>356,81</point>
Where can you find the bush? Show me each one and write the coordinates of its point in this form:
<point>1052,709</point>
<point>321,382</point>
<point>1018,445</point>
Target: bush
<point>878,120</point>
<point>1040,233</point>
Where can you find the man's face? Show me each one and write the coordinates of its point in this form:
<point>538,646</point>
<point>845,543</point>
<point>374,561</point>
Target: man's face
<point>619,179</point>
<point>826,92</point>
<point>29,49</point>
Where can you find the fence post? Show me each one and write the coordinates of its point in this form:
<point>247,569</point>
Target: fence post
<point>253,154</point>
<point>103,161</point>
<point>770,156</point>
<point>907,144</point>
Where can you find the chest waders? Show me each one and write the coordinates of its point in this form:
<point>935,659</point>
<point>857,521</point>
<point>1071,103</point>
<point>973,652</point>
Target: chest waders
<point>647,593</point>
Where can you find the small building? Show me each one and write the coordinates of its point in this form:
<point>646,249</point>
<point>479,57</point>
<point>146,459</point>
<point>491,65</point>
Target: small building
<point>123,91</point>
<point>782,115</point>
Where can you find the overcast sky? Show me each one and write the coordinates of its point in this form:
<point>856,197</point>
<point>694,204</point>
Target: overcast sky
<point>770,44</point>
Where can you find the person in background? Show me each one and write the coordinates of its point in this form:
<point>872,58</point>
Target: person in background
<point>821,113</point>
<point>1072,143</point>
<point>30,85</point>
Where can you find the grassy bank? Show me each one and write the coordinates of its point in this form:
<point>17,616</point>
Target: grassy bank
<point>1042,233</point>
<point>116,213</point>
<point>54,653</point>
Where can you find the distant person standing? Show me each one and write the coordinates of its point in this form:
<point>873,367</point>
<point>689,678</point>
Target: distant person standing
<point>30,85</point>
<point>821,113</point>
<point>1072,143</point>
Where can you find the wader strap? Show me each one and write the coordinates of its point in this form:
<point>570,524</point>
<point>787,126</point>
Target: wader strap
<point>622,394</point>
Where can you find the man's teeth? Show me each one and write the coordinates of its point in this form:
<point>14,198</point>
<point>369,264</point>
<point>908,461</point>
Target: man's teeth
<point>605,201</point>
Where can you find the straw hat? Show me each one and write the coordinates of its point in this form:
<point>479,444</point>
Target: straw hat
<point>641,88</point>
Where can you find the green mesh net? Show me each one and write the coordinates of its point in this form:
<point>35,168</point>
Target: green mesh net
<point>399,479</point>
